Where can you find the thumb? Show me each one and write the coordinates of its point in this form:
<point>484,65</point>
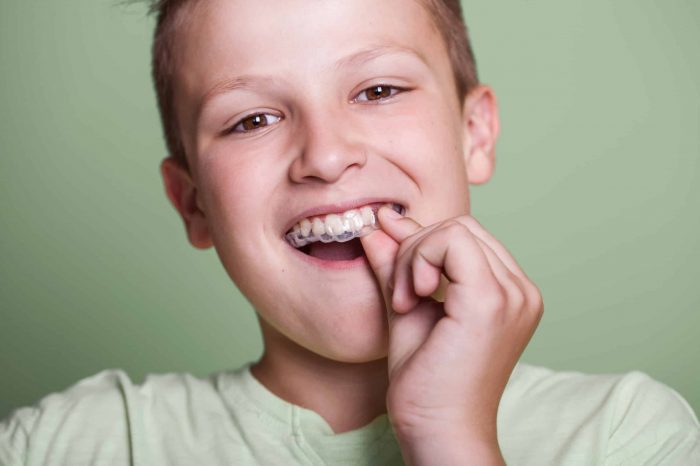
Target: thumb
<point>408,331</point>
<point>381,246</point>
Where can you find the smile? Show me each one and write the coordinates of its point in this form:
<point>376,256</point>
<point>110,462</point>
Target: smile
<point>337,227</point>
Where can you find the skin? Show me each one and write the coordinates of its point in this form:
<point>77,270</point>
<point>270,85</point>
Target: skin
<point>357,342</point>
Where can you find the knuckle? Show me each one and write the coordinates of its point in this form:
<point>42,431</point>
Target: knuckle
<point>517,300</point>
<point>534,314</point>
<point>419,259</point>
<point>471,220</point>
<point>539,312</point>
<point>454,228</point>
<point>536,302</point>
<point>495,299</point>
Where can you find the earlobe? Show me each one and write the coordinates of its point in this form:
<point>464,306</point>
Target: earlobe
<point>182,193</point>
<point>482,127</point>
<point>480,167</point>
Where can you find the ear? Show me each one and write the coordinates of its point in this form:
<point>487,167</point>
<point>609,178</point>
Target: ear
<point>182,193</point>
<point>481,125</point>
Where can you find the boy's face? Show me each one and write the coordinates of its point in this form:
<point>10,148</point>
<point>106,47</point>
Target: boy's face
<point>304,64</point>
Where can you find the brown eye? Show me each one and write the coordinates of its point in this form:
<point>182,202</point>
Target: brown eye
<point>378,93</point>
<point>254,122</point>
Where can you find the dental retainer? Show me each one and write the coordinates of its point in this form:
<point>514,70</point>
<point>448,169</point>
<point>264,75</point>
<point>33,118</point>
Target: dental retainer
<point>340,228</point>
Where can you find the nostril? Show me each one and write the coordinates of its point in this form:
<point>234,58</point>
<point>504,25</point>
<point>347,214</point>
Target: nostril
<point>326,156</point>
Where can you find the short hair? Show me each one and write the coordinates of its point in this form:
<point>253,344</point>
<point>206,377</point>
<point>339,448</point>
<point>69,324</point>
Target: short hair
<point>447,18</point>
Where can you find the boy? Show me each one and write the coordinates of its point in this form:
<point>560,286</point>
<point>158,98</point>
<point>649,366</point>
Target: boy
<point>280,114</point>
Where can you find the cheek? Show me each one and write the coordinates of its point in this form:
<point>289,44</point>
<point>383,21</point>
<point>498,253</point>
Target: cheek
<point>420,128</point>
<point>236,189</point>
<point>235,201</point>
<point>242,195</point>
<point>426,144</point>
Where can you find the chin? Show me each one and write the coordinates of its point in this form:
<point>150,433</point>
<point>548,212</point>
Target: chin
<point>354,335</point>
<point>347,334</point>
<point>354,350</point>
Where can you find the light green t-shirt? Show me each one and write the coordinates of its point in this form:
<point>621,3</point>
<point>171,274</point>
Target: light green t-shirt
<point>229,418</point>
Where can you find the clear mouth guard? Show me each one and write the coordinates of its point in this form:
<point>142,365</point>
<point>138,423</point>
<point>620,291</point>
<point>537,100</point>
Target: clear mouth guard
<point>339,228</point>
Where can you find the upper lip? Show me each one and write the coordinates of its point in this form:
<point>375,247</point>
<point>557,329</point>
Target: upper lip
<point>339,207</point>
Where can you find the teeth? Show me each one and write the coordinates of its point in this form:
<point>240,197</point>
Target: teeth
<point>337,227</point>
<point>367,215</point>
<point>318,228</point>
<point>354,219</point>
<point>305,227</point>
<point>334,225</point>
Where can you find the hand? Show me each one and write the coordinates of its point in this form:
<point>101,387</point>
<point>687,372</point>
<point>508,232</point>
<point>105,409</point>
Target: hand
<point>449,362</point>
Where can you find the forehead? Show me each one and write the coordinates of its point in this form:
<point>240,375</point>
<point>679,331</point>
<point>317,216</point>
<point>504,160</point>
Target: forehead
<point>295,38</point>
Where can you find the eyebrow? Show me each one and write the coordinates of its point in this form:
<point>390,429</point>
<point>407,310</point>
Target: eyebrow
<point>371,53</point>
<point>351,61</point>
<point>238,82</point>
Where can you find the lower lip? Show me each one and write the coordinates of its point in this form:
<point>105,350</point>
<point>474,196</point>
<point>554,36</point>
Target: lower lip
<point>330,265</point>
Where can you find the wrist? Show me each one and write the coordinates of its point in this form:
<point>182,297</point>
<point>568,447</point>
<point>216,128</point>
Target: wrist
<point>450,447</point>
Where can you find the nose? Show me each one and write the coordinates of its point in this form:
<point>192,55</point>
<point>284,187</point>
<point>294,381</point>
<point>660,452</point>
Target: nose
<point>328,150</point>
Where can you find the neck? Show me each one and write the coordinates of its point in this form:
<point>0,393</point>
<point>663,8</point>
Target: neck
<point>347,395</point>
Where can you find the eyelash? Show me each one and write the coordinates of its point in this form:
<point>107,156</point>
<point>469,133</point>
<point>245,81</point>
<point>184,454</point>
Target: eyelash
<point>389,86</point>
<point>394,90</point>
<point>240,123</point>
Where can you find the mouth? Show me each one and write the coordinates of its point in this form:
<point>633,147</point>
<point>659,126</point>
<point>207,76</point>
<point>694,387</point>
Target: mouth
<point>334,236</point>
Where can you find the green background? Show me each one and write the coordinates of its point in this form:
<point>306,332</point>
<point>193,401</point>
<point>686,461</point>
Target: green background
<point>595,194</point>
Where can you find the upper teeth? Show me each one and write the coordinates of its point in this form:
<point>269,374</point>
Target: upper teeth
<point>334,224</point>
<point>336,227</point>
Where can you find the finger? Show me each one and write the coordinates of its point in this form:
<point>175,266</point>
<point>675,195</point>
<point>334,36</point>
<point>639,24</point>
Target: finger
<point>381,246</point>
<point>454,250</point>
<point>405,230</point>
<point>421,281</point>
<point>417,277</point>
<point>396,225</point>
<point>406,298</point>
<point>381,250</point>
<point>408,332</point>
<point>407,289</point>
<point>426,276</point>
<point>479,231</point>
<point>510,283</point>
<point>532,293</point>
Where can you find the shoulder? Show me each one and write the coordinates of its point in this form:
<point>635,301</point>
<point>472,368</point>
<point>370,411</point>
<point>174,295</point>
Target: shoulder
<point>616,393</point>
<point>106,414</point>
<point>617,416</point>
<point>89,398</point>
<point>651,423</point>
<point>94,406</point>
